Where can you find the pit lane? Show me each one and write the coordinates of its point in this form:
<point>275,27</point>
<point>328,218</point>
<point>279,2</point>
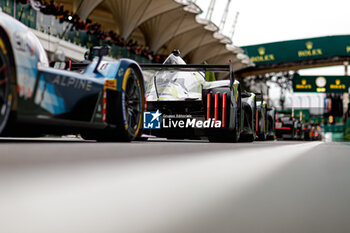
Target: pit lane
<point>70,185</point>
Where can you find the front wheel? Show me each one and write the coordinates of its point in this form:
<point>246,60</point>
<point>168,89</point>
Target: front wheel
<point>6,72</point>
<point>130,106</point>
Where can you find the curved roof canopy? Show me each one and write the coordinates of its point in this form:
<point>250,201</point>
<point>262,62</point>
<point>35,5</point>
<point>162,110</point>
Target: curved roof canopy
<point>163,24</point>
<point>129,14</point>
<point>83,8</point>
<point>206,52</point>
<point>191,40</point>
<point>162,28</point>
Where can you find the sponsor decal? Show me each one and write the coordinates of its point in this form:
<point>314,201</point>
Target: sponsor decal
<point>152,120</point>
<point>111,84</point>
<point>19,45</point>
<point>338,85</point>
<point>262,56</point>
<point>156,120</point>
<point>303,85</point>
<point>73,82</point>
<point>121,72</point>
<point>310,51</point>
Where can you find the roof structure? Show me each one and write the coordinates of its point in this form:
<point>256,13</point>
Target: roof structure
<point>130,14</point>
<point>298,54</point>
<point>205,52</point>
<point>166,26</point>
<point>190,40</point>
<point>163,25</point>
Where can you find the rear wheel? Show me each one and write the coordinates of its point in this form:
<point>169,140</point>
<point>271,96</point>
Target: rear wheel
<point>6,73</point>
<point>247,138</point>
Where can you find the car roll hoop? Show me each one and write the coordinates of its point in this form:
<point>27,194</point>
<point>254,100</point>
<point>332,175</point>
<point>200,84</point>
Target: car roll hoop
<point>100,52</point>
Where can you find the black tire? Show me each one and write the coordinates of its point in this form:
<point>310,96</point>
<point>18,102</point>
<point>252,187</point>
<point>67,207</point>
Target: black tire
<point>130,106</point>
<point>223,136</point>
<point>7,73</point>
<point>246,138</point>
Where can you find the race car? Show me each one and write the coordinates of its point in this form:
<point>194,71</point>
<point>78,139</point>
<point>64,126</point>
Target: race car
<point>181,104</point>
<point>286,126</point>
<point>248,132</point>
<point>307,131</point>
<point>102,101</point>
<point>261,116</point>
<point>271,118</point>
<point>300,130</point>
<point>316,132</point>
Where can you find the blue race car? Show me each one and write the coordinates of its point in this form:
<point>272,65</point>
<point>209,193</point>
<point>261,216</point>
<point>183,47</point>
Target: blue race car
<point>101,100</point>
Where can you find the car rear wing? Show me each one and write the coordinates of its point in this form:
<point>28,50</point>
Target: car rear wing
<point>191,68</point>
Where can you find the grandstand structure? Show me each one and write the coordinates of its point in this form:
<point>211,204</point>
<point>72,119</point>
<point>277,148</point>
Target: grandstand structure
<point>159,26</point>
<point>162,25</point>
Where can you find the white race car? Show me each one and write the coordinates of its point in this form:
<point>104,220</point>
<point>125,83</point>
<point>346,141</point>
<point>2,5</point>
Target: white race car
<point>187,106</point>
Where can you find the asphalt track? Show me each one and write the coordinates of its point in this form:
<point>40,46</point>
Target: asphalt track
<point>69,185</point>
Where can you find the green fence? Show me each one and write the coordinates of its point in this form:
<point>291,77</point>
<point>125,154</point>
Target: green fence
<point>7,6</point>
<point>51,25</point>
<point>24,12</point>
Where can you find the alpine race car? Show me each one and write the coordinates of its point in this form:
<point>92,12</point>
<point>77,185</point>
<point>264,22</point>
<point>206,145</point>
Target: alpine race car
<point>103,101</point>
<point>248,132</point>
<point>184,105</point>
<point>261,116</point>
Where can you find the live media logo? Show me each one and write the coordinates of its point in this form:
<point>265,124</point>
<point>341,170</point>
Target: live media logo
<point>152,120</point>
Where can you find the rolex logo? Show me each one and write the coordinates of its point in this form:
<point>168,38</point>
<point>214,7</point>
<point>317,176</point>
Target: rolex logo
<point>309,45</point>
<point>337,81</point>
<point>261,51</point>
<point>303,81</point>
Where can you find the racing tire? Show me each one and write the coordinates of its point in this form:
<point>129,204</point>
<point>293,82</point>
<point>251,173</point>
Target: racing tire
<point>7,73</point>
<point>246,138</point>
<point>129,107</point>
